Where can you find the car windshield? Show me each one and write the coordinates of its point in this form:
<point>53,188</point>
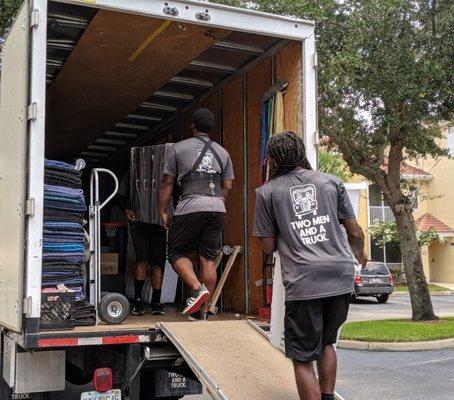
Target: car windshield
<point>375,269</point>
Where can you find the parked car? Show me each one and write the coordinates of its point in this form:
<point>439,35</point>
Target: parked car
<point>374,280</point>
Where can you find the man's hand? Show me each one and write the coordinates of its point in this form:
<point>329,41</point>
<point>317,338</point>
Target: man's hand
<point>165,220</point>
<point>362,259</point>
<point>130,215</point>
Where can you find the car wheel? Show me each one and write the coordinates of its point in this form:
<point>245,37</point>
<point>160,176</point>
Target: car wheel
<point>113,308</point>
<point>352,298</point>
<point>383,298</point>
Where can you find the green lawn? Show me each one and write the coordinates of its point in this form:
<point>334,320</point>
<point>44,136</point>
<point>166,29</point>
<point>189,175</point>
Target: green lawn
<point>398,330</point>
<point>432,288</point>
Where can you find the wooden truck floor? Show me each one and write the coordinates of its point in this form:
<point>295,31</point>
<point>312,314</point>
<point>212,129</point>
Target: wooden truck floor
<point>136,329</point>
<point>233,361</point>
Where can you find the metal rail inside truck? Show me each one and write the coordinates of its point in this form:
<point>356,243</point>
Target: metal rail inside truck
<point>90,80</point>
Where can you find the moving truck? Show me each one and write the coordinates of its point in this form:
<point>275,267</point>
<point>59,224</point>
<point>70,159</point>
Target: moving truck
<point>91,79</point>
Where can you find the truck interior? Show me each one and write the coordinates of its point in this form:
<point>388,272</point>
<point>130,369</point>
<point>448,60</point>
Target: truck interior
<point>117,81</point>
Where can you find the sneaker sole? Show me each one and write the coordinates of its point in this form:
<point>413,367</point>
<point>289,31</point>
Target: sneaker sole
<point>158,313</point>
<point>202,298</point>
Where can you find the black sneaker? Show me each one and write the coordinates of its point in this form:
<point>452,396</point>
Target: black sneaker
<point>198,297</point>
<point>138,308</point>
<point>199,315</point>
<point>157,309</point>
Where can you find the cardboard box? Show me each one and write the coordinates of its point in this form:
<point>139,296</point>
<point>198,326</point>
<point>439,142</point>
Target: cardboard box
<point>109,263</point>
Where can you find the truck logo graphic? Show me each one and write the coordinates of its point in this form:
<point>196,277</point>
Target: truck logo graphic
<point>304,200</point>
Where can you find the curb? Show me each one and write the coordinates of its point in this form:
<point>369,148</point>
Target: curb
<point>443,293</point>
<point>396,346</point>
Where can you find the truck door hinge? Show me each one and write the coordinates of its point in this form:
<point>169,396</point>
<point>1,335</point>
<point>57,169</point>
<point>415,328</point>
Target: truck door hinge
<point>30,207</point>
<point>34,19</point>
<point>315,60</point>
<point>27,305</point>
<point>32,112</point>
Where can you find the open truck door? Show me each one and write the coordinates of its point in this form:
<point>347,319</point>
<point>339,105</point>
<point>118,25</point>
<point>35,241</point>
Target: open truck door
<point>13,168</point>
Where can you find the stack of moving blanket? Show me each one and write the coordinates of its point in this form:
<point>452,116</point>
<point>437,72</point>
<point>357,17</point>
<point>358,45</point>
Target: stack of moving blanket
<point>63,233</point>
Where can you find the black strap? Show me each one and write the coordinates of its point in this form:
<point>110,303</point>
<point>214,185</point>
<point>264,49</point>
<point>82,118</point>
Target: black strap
<point>207,147</point>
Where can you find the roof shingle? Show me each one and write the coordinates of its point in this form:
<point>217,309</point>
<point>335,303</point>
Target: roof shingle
<point>427,221</point>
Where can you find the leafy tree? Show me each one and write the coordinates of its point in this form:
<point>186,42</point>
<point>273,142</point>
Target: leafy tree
<point>385,82</point>
<point>333,163</point>
<point>8,10</point>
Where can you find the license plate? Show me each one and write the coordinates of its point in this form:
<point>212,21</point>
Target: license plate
<point>114,394</point>
<point>376,280</point>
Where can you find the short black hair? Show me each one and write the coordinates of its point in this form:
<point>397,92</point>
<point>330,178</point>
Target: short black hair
<point>203,120</point>
<point>288,152</point>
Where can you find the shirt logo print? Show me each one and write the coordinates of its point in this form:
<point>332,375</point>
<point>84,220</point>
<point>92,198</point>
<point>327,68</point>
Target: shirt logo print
<point>304,200</point>
<point>206,165</point>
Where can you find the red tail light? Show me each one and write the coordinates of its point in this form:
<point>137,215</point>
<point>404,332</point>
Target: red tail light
<point>358,279</point>
<point>102,379</point>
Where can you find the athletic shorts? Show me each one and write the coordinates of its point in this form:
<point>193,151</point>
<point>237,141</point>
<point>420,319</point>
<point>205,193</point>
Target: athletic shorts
<point>199,231</point>
<point>150,244</point>
<point>310,325</point>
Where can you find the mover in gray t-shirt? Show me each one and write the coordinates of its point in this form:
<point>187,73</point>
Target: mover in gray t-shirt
<point>299,212</point>
<point>203,171</point>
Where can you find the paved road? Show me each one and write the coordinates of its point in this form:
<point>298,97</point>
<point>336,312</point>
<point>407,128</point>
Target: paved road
<point>397,307</point>
<point>421,375</point>
<point>424,375</point>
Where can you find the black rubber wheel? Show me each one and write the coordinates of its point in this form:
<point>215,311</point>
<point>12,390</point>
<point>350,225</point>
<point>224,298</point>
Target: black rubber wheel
<point>352,298</point>
<point>383,298</point>
<point>113,308</point>
<point>103,293</point>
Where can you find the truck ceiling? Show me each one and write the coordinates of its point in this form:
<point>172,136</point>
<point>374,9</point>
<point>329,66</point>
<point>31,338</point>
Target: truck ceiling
<point>117,79</point>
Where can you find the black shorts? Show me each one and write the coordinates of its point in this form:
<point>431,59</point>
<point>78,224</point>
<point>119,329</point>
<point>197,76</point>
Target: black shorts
<point>310,325</point>
<point>149,244</point>
<point>199,231</point>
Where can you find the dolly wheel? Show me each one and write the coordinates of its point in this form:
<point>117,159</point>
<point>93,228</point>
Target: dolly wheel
<point>113,308</point>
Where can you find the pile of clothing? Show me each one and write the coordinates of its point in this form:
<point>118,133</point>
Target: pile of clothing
<point>63,233</point>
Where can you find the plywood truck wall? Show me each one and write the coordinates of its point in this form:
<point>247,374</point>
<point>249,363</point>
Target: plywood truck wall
<point>228,106</point>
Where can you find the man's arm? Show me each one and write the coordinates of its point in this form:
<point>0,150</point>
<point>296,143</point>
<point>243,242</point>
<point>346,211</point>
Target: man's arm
<point>226,187</point>
<point>165,192</point>
<point>355,236</point>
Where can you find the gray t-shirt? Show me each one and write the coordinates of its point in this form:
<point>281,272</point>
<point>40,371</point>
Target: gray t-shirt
<point>302,209</point>
<point>181,158</point>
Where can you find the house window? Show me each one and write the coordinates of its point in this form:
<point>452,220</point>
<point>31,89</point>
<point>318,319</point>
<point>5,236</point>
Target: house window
<point>378,206</point>
<point>451,140</point>
<point>389,253</point>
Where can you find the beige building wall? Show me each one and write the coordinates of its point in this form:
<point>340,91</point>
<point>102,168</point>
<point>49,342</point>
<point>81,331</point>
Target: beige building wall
<point>442,261</point>
<point>441,186</point>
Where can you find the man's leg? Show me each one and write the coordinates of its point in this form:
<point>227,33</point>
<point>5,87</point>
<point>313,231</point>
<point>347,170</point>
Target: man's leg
<point>185,270</point>
<point>139,279</point>
<point>327,368</point>
<point>335,311</point>
<point>209,247</point>
<point>208,276</point>
<point>306,381</point>
<point>156,284</point>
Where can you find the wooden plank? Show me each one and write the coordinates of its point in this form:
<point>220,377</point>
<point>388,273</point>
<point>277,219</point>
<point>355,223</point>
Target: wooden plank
<point>100,83</point>
<point>259,80</point>
<point>232,104</point>
<point>289,68</point>
<point>220,285</point>
<point>235,359</point>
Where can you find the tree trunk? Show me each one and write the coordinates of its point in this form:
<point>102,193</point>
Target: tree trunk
<point>421,302</point>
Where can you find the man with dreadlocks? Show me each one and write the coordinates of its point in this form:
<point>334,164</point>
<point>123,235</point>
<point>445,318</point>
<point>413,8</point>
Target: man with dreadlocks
<point>299,212</point>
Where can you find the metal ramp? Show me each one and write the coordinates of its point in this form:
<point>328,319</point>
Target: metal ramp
<point>232,360</point>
